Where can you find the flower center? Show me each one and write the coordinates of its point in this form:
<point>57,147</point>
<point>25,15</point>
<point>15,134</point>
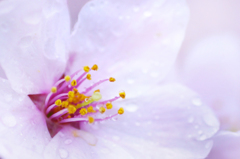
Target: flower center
<point>68,104</point>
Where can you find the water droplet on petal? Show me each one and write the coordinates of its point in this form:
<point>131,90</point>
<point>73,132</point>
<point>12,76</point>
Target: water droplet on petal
<point>116,138</point>
<point>114,118</point>
<point>191,119</point>
<point>147,14</point>
<point>63,153</point>
<point>131,108</point>
<point>210,120</point>
<point>68,141</point>
<point>9,120</point>
<point>197,101</point>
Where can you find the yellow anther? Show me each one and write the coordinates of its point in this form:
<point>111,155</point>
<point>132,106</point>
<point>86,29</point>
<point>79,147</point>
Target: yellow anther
<point>90,119</point>
<point>69,116</point>
<point>54,89</point>
<point>111,79</point>
<point>95,67</point>
<point>102,110</point>
<point>90,110</point>
<point>122,94</point>
<point>120,111</point>
<point>74,83</point>
<point>65,104</point>
<point>88,76</point>
<point>70,99</point>
<point>75,90</point>
<point>109,105</point>
<point>86,68</point>
<point>71,109</point>
<point>98,90</point>
<point>83,111</point>
<point>67,78</point>
<point>58,102</point>
<point>71,94</point>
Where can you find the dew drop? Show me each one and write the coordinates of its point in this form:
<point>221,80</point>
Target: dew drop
<point>209,145</point>
<point>136,9</point>
<point>197,101</point>
<point>131,108</point>
<point>130,81</point>
<point>63,153</point>
<point>61,134</point>
<point>147,14</point>
<point>68,141</point>
<point>202,137</point>
<point>191,119</point>
<point>210,120</point>
<point>114,118</point>
<point>116,138</point>
<point>137,124</point>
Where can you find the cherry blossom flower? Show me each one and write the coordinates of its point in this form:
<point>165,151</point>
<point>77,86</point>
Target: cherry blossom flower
<point>46,64</point>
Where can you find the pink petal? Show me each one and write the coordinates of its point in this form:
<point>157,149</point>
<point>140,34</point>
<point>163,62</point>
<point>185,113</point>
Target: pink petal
<point>226,146</point>
<point>212,69</point>
<point>33,43</point>
<point>22,125</point>
<point>168,122</point>
<point>134,41</point>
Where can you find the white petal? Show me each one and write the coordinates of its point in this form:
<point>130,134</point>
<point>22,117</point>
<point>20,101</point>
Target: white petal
<point>226,146</point>
<point>22,126</point>
<point>134,41</point>
<point>168,122</point>
<point>33,43</point>
<point>71,143</point>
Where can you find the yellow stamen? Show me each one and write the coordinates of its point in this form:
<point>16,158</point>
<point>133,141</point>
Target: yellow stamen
<point>54,89</point>
<point>90,119</point>
<point>90,110</point>
<point>86,68</point>
<point>67,78</point>
<point>111,79</point>
<point>102,110</point>
<point>74,83</point>
<point>83,111</point>
<point>69,116</point>
<point>122,94</point>
<point>109,105</point>
<point>88,76</point>
<point>65,104</point>
<point>58,102</point>
<point>95,67</point>
<point>71,109</point>
<point>120,111</point>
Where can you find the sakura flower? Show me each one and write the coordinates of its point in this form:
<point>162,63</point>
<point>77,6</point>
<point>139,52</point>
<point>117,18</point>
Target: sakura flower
<point>49,109</point>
